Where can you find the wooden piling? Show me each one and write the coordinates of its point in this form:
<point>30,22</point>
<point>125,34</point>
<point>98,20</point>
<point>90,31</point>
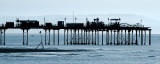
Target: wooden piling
<point>27,37</point>
<point>141,37</point>
<point>58,36</point>
<point>23,37</point>
<point>49,37</point>
<point>150,37</point>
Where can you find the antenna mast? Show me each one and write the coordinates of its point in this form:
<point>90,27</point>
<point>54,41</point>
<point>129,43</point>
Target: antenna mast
<point>75,19</point>
<point>73,16</point>
<point>44,20</point>
<point>141,22</point>
<point>108,21</point>
<point>65,20</point>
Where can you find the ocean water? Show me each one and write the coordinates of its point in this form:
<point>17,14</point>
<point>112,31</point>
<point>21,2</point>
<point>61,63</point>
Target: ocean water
<point>94,54</point>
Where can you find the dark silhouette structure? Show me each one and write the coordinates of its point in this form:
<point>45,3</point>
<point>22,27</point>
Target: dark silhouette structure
<point>116,33</point>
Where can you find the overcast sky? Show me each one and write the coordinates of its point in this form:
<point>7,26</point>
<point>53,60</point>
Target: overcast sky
<point>148,8</point>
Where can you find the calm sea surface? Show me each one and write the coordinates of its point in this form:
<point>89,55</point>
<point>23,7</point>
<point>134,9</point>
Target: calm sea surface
<point>98,54</point>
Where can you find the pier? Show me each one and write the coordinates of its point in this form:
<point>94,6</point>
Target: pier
<point>113,33</point>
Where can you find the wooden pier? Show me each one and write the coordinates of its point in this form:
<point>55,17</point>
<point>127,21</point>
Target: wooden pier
<point>115,33</point>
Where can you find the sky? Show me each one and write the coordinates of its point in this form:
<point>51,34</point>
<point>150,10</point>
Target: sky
<point>147,8</point>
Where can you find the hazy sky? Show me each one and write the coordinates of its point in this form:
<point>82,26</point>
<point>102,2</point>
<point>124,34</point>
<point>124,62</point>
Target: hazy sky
<point>148,8</point>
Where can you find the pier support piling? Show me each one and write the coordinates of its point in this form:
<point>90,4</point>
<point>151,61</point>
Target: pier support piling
<point>121,37</point>
<point>53,36</point>
<point>92,37</point>
<point>102,37</point>
<point>75,37</point>
<point>78,36</point>
<point>132,37</point>
<point>141,37</point>
<point>49,38</point>
<point>117,37</point>
<point>67,36</point>
<point>145,38</point>
<point>71,38</point>
<point>95,38</point>
<point>64,36</point>
<point>125,38</point>
<point>4,37</point>
<point>150,37</point>
<point>27,37</point>
<point>45,37</point>
<point>108,37</point>
<point>0,37</point>
<point>23,36</point>
<point>86,37</point>
<point>129,37</point>
<point>98,38</point>
<point>136,38</point>
<point>114,37</point>
<point>81,36</point>
<point>58,36</point>
<point>111,38</point>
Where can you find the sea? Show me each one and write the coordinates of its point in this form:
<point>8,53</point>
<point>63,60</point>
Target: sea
<point>94,54</point>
